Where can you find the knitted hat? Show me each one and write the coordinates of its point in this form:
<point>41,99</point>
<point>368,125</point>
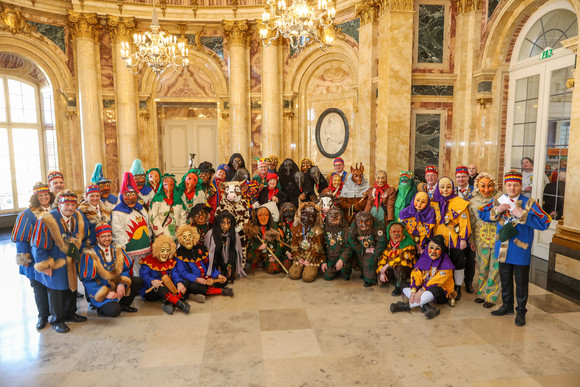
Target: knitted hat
<point>67,197</point>
<point>272,176</point>
<point>462,169</point>
<point>128,183</point>
<point>432,169</point>
<point>137,168</point>
<point>92,188</point>
<point>262,161</point>
<point>103,229</point>
<point>223,167</point>
<point>513,176</point>
<point>338,160</point>
<point>40,187</point>
<point>54,175</point>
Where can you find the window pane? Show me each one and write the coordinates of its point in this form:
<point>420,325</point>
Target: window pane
<point>2,102</point>
<point>22,102</point>
<point>6,200</point>
<point>27,162</point>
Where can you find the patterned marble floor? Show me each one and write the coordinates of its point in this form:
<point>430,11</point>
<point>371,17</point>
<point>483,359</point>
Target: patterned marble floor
<point>279,332</point>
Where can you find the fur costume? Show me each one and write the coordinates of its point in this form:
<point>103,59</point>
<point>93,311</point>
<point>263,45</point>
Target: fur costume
<point>94,218</point>
<point>269,234</point>
<point>354,196</point>
<point>307,245</point>
<point>22,234</point>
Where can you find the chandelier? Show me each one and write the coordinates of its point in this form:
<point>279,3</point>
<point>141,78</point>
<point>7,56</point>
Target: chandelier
<point>156,49</point>
<point>301,23</point>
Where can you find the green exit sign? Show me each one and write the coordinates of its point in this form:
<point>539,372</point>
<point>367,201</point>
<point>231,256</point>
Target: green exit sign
<point>546,53</point>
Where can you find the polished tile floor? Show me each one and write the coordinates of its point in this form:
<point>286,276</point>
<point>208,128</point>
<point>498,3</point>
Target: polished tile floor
<point>279,332</point>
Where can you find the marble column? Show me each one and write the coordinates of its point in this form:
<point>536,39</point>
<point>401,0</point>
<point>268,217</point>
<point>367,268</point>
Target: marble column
<point>467,44</point>
<point>272,99</point>
<point>122,29</point>
<point>84,27</point>
<point>367,11</point>
<point>237,33</point>
<point>395,70</point>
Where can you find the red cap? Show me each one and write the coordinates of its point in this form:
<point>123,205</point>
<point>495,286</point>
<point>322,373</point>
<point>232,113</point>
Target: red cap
<point>272,176</point>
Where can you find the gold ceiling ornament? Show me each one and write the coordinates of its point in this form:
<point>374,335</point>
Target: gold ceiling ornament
<point>299,22</point>
<point>13,21</point>
<point>466,6</point>
<point>156,50</point>
<point>121,27</point>
<point>367,11</point>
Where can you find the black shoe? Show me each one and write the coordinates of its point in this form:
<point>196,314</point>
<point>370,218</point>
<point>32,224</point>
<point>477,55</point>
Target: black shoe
<point>346,278</point>
<point>430,311</point>
<point>520,320</point>
<point>400,307</point>
<point>228,292</point>
<point>488,305</point>
<point>396,292</point>
<point>61,327</point>
<point>76,318</point>
<point>80,295</point>
<point>458,290</point>
<point>503,310</point>
<point>368,284</point>
<point>128,309</point>
<point>168,308</point>
<point>42,321</point>
<point>469,288</point>
<point>479,300</point>
<point>184,306</point>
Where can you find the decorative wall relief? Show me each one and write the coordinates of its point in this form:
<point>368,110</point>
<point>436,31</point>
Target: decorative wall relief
<point>255,63</point>
<point>332,133</point>
<point>431,33</point>
<point>331,81</point>
<point>427,137</point>
<point>106,52</point>
<point>193,83</point>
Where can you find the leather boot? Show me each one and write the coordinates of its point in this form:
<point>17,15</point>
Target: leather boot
<point>458,290</point>
<point>400,307</point>
<point>184,306</point>
<point>430,311</point>
<point>396,292</point>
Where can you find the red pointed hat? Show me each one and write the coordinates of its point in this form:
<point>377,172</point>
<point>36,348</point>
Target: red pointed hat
<point>128,183</point>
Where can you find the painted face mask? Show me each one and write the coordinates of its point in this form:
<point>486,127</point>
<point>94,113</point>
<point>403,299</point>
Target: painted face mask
<point>308,216</point>
<point>165,252</point>
<point>299,179</point>
<point>381,179</point>
<point>445,187</point>
<point>396,233</point>
<point>188,240</point>
<point>190,182</point>
<point>225,225</point>
<point>485,187</point>
<point>154,178</point>
<point>287,165</point>
<point>305,166</point>
<point>434,250</point>
<point>263,216</point>
<point>421,200</point>
<point>168,185</point>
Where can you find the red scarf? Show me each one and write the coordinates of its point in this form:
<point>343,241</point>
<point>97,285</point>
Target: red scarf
<point>168,201</point>
<point>190,195</point>
<point>379,191</point>
<point>272,193</point>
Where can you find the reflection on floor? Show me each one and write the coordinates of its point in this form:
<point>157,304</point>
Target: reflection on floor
<point>279,332</point>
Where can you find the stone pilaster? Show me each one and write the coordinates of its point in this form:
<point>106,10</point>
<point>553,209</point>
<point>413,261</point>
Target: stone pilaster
<point>272,99</point>
<point>238,34</point>
<point>122,29</point>
<point>395,68</point>
<point>84,27</point>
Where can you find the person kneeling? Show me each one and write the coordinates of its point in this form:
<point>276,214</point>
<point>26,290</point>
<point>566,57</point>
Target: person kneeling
<point>157,271</point>
<point>398,258</point>
<point>431,280</point>
<point>191,272</point>
<point>104,270</point>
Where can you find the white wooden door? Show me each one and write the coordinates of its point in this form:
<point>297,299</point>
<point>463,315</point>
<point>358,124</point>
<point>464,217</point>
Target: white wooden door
<point>185,136</point>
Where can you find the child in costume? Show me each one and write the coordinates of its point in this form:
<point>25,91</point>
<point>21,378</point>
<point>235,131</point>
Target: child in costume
<point>335,236</point>
<point>191,271</point>
<point>104,271</point>
<point>483,240</point>
<point>225,247</point>
<point>405,192</point>
<point>381,203</point>
<point>307,243</point>
<point>40,203</point>
<point>167,212</point>
<point>419,219</point>
<point>398,258</point>
<point>452,222</point>
<point>264,249</point>
<point>365,243</point>
<point>157,271</point>
<point>431,280</point>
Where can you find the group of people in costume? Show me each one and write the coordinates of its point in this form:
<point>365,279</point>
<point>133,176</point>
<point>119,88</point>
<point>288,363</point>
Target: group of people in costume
<point>174,241</point>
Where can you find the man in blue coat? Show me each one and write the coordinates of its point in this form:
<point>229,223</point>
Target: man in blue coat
<point>517,217</point>
<point>104,270</point>
<point>56,243</point>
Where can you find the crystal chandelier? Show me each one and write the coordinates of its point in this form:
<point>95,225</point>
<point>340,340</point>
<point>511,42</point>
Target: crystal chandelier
<point>156,49</point>
<point>301,23</point>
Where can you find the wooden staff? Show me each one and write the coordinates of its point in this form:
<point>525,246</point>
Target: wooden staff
<point>211,281</point>
<point>271,252</point>
<point>168,284</point>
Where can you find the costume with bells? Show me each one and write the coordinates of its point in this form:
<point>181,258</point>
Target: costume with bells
<point>192,267</point>
<point>102,270</point>
<point>22,234</point>
<point>431,280</point>
<point>157,271</point>
<point>307,243</point>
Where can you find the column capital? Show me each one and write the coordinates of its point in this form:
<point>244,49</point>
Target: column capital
<point>121,28</point>
<point>395,5</point>
<point>237,32</point>
<point>83,25</point>
<point>466,6</point>
<point>367,11</point>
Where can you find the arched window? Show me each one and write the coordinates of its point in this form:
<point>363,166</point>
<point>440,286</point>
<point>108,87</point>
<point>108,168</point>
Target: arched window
<point>540,105</point>
<point>27,140</point>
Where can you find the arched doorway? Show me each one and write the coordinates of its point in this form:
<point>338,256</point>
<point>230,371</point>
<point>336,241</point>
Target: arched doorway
<point>539,109</point>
